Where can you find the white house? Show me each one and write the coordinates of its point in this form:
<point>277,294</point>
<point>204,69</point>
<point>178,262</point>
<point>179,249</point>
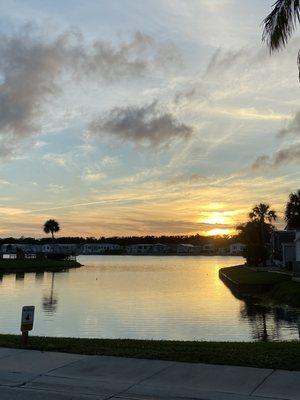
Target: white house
<point>99,248</point>
<point>160,248</point>
<point>288,255</point>
<point>237,248</point>
<point>185,248</point>
<point>10,248</point>
<point>297,251</point>
<point>139,249</point>
<point>208,248</point>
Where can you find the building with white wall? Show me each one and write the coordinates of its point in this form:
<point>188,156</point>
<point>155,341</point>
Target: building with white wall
<point>100,248</point>
<point>237,248</point>
<point>142,249</point>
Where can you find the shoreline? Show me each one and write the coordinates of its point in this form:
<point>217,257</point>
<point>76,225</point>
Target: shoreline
<point>269,287</point>
<point>33,265</point>
<point>275,355</point>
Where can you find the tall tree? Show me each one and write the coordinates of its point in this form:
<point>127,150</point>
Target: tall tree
<point>292,211</point>
<point>280,24</point>
<point>256,232</point>
<point>51,226</point>
<point>262,213</point>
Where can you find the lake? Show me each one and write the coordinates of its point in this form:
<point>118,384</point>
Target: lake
<point>142,297</point>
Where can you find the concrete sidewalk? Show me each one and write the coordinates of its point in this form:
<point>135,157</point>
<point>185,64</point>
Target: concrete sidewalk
<point>35,375</point>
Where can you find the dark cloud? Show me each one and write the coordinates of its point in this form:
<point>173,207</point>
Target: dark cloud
<point>32,69</point>
<point>147,126</point>
<point>293,127</point>
<point>287,155</point>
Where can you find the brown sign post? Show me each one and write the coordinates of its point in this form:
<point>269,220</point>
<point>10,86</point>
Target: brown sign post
<point>26,323</point>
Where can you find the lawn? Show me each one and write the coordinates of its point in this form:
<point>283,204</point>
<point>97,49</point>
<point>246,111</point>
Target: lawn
<point>32,264</point>
<point>270,287</point>
<point>281,355</point>
<point>244,275</point>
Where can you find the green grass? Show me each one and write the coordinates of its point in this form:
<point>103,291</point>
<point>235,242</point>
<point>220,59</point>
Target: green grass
<point>31,264</point>
<point>244,275</point>
<point>271,287</point>
<point>281,355</point>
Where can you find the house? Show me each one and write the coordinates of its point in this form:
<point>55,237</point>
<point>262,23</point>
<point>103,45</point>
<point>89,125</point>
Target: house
<point>297,247</point>
<point>288,255</point>
<point>208,248</point>
<point>99,248</point>
<point>12,248</point>
<point>237,248</point>
<point>197,250</point>
<point>185,248</point>
<point>160,248</point>
<point>142,249</point>
<point>223,250</point>
<point>278,238</point>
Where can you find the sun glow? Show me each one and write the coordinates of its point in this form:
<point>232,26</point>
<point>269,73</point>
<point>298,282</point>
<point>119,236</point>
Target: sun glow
<point>215,217</point>
<point>219,231</point>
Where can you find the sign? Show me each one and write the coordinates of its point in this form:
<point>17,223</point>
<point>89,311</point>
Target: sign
<point>27,318</point>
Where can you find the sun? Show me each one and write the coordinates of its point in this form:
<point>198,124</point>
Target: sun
<point>219,232</point>
<point>216,218</point>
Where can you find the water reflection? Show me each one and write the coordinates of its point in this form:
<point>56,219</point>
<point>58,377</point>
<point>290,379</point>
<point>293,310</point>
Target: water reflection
<point>39,276</point>
<point>20,276</point>
<point>50,301</point>
<point>180,298</point>
<point>266,322</point>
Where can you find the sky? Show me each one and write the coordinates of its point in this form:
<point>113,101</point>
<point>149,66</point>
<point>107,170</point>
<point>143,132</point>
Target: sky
<point>128,117</point>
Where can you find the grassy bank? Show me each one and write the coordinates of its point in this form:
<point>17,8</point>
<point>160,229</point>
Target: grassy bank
<point>33,265</point>
<point>282,355</point>
<point>269,286</point>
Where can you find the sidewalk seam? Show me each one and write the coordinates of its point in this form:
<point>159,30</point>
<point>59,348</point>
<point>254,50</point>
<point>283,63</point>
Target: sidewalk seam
<point>47,372</point>
<point>262,382</point>
<point>139,382</point>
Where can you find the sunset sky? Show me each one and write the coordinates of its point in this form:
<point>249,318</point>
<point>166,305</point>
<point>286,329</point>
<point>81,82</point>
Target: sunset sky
<point>127,117</point>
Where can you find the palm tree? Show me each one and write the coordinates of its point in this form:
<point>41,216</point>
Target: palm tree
<point>292,211</point>
<point>280,24</point>
<point>262,213</point>
<point>51,226</point>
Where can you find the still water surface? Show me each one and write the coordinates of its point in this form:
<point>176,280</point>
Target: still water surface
<point>141,297</point>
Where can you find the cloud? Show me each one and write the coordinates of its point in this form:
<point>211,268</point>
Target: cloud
<point>293,127</point>
<point>223,60</point>
<point>32,71</point>
<point>90,176</point>
<point>286,155</point>
<point>58,159</point>
<point>147,126</point>
<point>53,188</point>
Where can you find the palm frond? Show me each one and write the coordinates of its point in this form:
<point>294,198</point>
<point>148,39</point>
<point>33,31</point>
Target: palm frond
<point>280,24</point>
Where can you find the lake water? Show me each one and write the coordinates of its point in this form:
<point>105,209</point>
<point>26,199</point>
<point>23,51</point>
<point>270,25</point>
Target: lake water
<point>142,297</point>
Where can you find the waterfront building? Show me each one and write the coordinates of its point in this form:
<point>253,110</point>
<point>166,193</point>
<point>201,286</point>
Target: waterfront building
<point>208,248</point>
<point>237,248</point>
<point>100,248</point>
<point>288,255</point>
<point>185,248</point>
<point>160,248</point>
<point>223,250</point>
<point>142,249</point>
<point>278,238</point>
